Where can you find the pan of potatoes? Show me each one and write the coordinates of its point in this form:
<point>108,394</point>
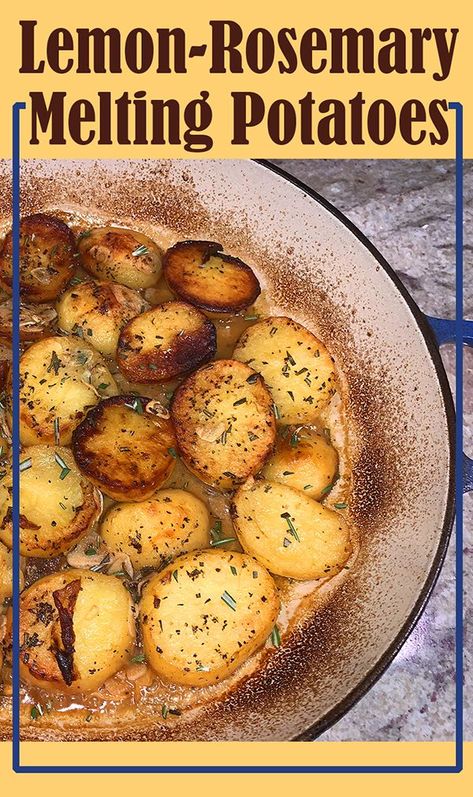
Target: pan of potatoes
<point>223,448</point>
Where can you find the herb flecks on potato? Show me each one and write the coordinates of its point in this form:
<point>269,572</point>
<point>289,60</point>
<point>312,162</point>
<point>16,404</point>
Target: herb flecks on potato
<point>224,420</point>
<point>165,342</point>
<point>290,534</point>
<point>120,255</point>
<point>47,258</point>
<point>201,274</point>
<point>297,368</point>
<point>125,448</point>
<point>205,614</point>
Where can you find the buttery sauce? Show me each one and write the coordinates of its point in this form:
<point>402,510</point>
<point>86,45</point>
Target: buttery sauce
<point>136,693</point>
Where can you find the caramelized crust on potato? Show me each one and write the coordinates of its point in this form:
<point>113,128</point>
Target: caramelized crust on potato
<point>125,448</point>
<point>224,421</point>
<point>155,531</point>
<point>47,248</point>
<point>290,534</point>
<point>60,379</point>
<point>57,504</point>
<point>305,460</point>
<point>205,614</point>
<point>76,630</point>
<point>120,255</point>
<point>97,311</point>
<point>201,274</point>
<point>164,342</point>
<point>296,367</point>
<point>35,320</point>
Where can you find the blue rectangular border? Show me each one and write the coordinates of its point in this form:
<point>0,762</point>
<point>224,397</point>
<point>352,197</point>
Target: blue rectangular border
<point>454,768</point>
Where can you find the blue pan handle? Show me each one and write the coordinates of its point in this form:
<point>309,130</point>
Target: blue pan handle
<point>445,332</point>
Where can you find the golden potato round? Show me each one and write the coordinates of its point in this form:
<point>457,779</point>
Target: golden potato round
<point>297,368</point>
<point>120,255</point>
<point>47,249</point>
<point>60,379</point>
<point>224,421</point>
<point>6,573</point>
<point>155,531</point>
<point>97,311</point>
<point>206,614</point>
<point>57,504</point>
<point>36,320</point>
<point>201,274</point>
<point>164,342</point>
<point>124,448</point>
<point>305,460</point>
<point>76,630</point>
<point>290,534</point>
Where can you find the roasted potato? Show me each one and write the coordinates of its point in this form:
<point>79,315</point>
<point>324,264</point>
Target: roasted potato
<point>97,311</point>
<point>224,421</point>
<point>297,368</point>
<point>155,531</point>
<point>57,504</point>
<point>125,448</point>
<point>47,249</point>
<point>35,320</point>
<point>164,342</point>
<point>76,630</point>
<point>201,274</point>
<point>6,573</point>
<point>290,534</point>
<point>305,460</point>
<point>118,255</point>
<point>205,614</point>
<point>60,379</point>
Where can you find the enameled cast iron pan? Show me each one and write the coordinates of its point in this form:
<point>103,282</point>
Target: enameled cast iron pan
<point>315,266</point>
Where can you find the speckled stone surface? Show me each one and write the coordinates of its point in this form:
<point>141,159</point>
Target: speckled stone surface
<point>406,208</point>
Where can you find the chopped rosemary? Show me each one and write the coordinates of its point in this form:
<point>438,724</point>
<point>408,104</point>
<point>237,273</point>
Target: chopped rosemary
<point>276,637</point>
<point>140,250</point>
<point>90,551</point>
<point>308,487</point>
<point>55,363</point>
<point>36,711</point>
<point>214,543</point>
<point>136,405</point>
<point>294,441</point>
<point>233,569</point>
<point>56,431</point>
<point>231,602</point>
<point>173,452</point>
<point>103,385</point>
<point>164,711</point>
<point>64,469</point>
<point>240,401</point>
<point>140,658</point>
<point>25,465</point>
<point>290,524</point>
<point>341,505</point>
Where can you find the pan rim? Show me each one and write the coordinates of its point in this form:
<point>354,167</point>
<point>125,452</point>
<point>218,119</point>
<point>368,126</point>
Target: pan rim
<point>349,701</point>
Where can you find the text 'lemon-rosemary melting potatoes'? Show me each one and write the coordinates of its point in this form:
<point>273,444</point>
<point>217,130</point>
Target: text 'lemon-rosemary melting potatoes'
<point>60,379</point>
<point>47,249</point>
<point>164,342</point>
<point>76,629</point>
<point>297,368</point>
<point>155,531</point>
<point>305,460</point>
<point>205,614</point>
<point>126,447</point>
<point>120,255</point>
<point>200,273</point>
<point>224,421</point>
<point>57,504</point>
<point>289,533</point>
<point>97,311</point>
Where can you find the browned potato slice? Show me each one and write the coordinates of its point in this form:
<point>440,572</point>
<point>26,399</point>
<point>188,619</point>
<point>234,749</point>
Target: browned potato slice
<point>199,273</point>
<point>305,460</point>
<point>124,448</point>
<point>76,630</point>
<point>224,421</point>
<point>206,614</point>
<point>290,534</point>
<point>97,311</point>
<point>60,379</point>
<point>119,255</point>
<point>47,248</point>
<point>165,342</point>
<point>155,531</point>
<point>296,367</point>
<point>35,320</point>
<point>6,574</point>
<point>57,504</point>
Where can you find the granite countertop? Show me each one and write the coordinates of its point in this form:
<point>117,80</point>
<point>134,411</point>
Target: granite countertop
<point>406,208</point>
